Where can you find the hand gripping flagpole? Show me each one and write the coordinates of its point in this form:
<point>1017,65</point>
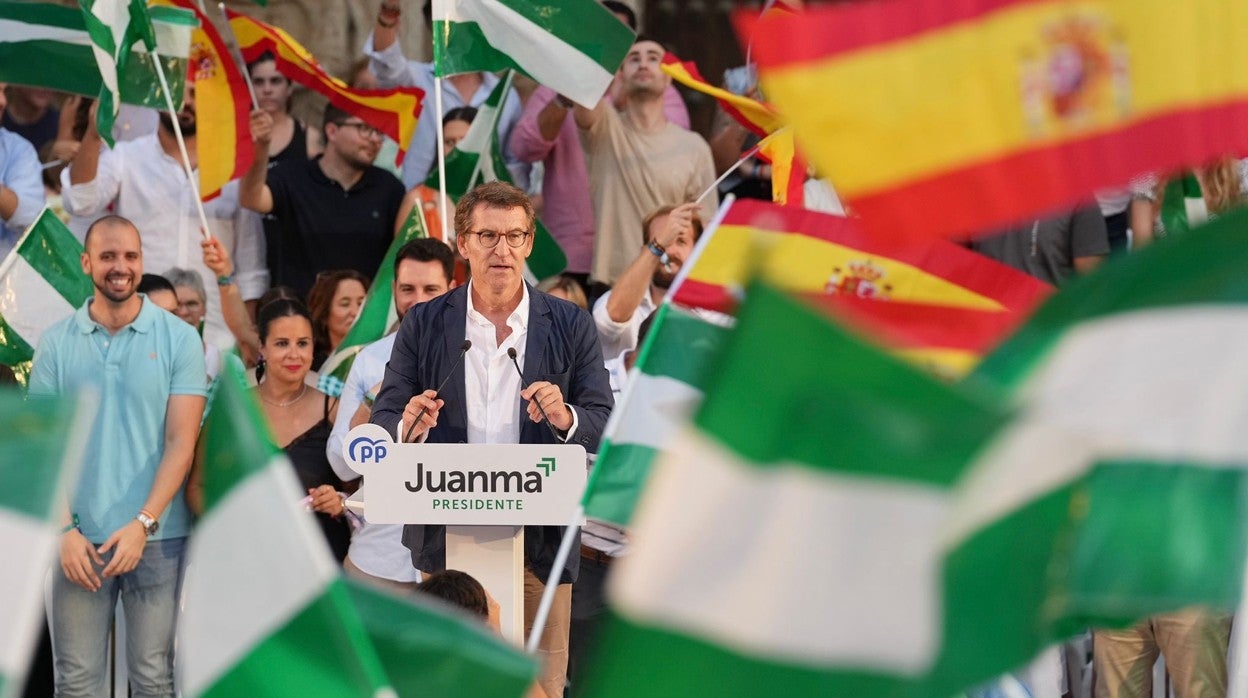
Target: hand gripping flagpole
<point>177,132</point>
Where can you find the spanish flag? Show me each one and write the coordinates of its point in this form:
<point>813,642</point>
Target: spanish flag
<point>222,104</point>
<point>788,171</point>
<point>394,110</point>
<point>805,251</point>
<point>949,118</point>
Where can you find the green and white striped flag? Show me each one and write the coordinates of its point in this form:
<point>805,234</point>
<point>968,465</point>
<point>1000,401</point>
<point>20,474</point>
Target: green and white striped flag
<point>477,159</point>
<point>663,391</point>
<point>48,45</point>
<point>41,452</point>
<point>818,478</point>
<point>573,46</point>
<point>41,282</point>
<point>436,653</point>
<point>266,610</point>
<point>377,315</point>
<point>874,533</point>
<point>114,26</point>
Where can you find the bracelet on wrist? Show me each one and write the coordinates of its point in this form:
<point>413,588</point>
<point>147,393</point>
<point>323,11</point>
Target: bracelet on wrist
<point>71,526</point>
<point>387,25</point>
<point>656,249</point>
<point>227,280</point>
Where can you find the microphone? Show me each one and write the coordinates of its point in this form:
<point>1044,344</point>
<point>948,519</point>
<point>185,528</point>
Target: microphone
<point>511,354</point>
<point>467,346</point>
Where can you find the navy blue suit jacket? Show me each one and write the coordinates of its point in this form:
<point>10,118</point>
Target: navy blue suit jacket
<point>561,347</point>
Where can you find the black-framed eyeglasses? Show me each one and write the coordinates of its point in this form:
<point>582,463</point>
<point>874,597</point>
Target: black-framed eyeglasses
<point>490,238</point>
<point>362,128</point>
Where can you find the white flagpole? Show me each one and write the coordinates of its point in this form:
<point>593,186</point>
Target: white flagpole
<point>437,105</point>
<point>186,159</point>
<point>237,54</point>
<point>715,185</point>
<point>552,581</point>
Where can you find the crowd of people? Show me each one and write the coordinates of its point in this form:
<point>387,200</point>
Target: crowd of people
<point>283,270</point>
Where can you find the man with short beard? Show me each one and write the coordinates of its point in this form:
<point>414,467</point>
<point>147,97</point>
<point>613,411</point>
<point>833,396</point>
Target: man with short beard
<point>144,180</point>
<point>125,530</point>
<point>669,233</point>
<point>335,211</point>
<point>638,160</point>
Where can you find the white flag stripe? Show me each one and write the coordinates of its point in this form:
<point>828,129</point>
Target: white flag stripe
<point>172,40</point>
<point>281,578</point>
<point>1146,404</point>
<point>657,408</point>
<point>112,14</point>
<point>28,303</point>
<point>884,599</point>
<point>543,55</point>
<point>21,583</point>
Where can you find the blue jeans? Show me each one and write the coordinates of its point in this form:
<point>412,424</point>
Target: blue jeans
<point>82,621</point>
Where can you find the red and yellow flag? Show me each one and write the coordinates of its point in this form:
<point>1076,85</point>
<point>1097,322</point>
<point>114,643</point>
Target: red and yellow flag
<point>950,118</point>
<point>806,251</point>
<point>788,171</point>
<point>222,104</point>
<point>393,111</point>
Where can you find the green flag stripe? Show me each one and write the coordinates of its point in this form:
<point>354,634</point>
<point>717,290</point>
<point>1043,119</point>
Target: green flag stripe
<point>669,658</point>
<point>687,348</point>
<point>42,13</point>
<point>613,494</point>
<point>13,349</point>
<point>38,440</point>
<point>413,638</point>
<point>56,255</point>
<point>237,437</point>
<point>310,655</point>
<point>878,401</point>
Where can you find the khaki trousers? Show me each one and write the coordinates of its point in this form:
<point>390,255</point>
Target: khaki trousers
<point>1193,642</point>
<point>553,647</point>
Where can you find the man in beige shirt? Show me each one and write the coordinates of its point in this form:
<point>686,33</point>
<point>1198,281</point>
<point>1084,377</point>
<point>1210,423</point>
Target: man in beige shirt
<point>638,160</point>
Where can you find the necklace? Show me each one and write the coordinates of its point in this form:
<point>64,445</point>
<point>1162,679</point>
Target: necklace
<point>289,402</point>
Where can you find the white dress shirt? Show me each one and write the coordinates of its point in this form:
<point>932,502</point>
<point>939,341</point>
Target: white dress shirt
<point>618,337</point>
<point>151,189</point>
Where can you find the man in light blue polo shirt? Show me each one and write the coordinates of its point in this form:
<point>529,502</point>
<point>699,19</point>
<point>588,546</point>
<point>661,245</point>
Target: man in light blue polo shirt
<point>127,529</point>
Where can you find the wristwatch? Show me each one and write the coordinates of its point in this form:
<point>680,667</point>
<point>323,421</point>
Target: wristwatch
<point>150,525</point>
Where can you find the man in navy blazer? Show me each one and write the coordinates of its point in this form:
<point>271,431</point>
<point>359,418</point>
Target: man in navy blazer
<point>484,400</point>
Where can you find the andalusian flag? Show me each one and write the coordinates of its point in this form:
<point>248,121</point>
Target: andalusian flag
<point>478,159</point>
<point>41,452</point>
<point>777,146</point>
<point>573,47</point>
<point>814,568</point>
<point>663,392</point>
<point>114,27</point>
<point>940,118</point>
<point>222,106</point>
<point>394,111</point>
<point>41,283</point>
<point>812,252</point>
<point>46,45</point>
<point>432,652</point>
<point>267,611</point>
<point>377,315</point>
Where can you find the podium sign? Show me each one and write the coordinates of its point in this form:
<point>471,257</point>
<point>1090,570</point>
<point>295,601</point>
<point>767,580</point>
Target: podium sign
<point>478,484</point>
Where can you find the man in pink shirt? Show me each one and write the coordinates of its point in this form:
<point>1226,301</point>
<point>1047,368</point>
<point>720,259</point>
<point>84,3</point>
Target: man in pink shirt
<point>546,133</point>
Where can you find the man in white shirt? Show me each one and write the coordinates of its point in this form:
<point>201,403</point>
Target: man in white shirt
<point>423,270</point>
<point>21,185</point>
<point>485,400</point>
<point>145,181</point>
<point>669,234</point>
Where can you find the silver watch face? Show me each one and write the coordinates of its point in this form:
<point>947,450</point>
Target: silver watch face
<point>150,525</point>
